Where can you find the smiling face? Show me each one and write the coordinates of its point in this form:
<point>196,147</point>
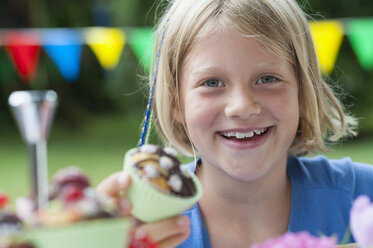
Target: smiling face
<point>239,103</point>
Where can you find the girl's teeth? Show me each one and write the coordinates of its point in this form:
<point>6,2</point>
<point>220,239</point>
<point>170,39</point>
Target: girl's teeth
<point>257,132</point>
<point>239,135</point>
<point>249,134</point>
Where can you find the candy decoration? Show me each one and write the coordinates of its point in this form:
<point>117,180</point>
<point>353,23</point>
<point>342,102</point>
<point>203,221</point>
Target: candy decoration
<point>72,194</point>
<point>3,200</point>
<point>24,51</point>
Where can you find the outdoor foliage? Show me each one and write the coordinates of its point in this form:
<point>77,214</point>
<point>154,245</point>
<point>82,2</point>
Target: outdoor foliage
<point>356,82</point>
<point>96,91</point>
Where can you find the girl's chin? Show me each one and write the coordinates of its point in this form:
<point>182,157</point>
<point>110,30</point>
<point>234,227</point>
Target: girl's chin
<point>244,174</point>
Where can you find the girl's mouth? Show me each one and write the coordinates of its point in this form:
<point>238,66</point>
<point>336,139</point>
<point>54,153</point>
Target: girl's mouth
<point>244,136</point>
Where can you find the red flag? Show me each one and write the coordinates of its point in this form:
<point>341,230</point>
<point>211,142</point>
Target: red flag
<point>23,48</point>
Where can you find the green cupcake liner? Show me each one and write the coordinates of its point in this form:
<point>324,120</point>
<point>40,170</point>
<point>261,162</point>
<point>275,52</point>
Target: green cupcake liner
<point>150,204</point>
<point>113,233</point>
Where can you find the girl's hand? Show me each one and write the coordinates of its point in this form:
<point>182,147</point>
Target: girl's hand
<point>114,186</point>
<point>167,233</point>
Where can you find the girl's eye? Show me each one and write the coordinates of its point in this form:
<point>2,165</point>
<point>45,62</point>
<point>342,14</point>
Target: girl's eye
<point>267,79</point>
<point>213,83</point>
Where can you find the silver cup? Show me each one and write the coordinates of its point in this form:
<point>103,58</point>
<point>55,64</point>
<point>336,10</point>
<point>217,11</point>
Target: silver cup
<point>33,111</point>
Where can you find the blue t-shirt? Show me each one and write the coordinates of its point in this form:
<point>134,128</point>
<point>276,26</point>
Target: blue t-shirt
<point>322,192</point>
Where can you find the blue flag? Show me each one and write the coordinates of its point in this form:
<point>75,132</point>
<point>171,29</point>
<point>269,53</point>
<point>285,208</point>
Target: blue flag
<point>64,47</point>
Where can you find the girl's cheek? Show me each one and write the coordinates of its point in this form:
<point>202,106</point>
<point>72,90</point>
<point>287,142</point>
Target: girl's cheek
<point>201,109</point>
<point>282,100</point>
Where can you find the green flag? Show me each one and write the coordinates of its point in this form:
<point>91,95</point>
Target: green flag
<point>360,34</point>
<point>141,41</point>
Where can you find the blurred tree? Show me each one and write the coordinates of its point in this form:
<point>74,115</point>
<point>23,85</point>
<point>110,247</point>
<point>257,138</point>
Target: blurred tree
<point>96,90</point>
<point>337,8</point>
<point>348,73</point>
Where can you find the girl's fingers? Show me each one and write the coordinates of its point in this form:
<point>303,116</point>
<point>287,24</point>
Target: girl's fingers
<point>169,230</point>
<point>173,241</point>
<point>124,206</point>
<point>167,233</point>
<point>115,184</point>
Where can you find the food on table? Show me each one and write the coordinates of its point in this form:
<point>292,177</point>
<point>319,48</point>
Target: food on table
<point>78,216</point>
<point>11,226</point>
<point>72,199</point>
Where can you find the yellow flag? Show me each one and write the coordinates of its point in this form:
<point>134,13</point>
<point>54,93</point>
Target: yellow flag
<point>327,36</point>
<point>106,44</point>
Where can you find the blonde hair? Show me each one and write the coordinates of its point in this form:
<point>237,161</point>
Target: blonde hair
<point>279,25</point>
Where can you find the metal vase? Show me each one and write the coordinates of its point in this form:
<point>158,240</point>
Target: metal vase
<point>33,111</point>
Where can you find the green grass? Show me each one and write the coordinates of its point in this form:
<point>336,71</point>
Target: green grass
<point>359,150</point>
<point>98,148</point>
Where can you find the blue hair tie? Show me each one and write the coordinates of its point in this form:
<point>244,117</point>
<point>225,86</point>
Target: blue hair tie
<point>147,119</point>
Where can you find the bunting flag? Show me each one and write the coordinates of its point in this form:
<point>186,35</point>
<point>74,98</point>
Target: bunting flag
<point>360,35</point>
<point>64,47</point>
<point>141,41</point>
<point>23,49</point>
<point>327,36</point>
<point>106,44</point>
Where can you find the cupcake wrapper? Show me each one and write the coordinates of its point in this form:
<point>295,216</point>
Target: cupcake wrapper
<point>113,233</point>
<point>150,204</point>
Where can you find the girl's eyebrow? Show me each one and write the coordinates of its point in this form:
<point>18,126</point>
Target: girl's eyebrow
<point>279,65</point>
<point>201,71</point>
<point>204,69</point>
<point>270,63</point>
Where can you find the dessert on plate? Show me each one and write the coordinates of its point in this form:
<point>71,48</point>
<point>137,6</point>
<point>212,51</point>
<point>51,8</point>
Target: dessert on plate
<point>77,216</point>
<point>11,226</point>
<point>72,199</point>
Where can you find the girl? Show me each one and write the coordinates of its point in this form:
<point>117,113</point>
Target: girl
<point>239,84</point>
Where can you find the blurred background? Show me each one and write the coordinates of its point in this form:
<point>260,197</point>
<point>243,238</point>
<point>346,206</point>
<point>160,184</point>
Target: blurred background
<point>100,111</point>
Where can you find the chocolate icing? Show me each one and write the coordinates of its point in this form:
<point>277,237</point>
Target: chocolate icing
<point>187,187</point>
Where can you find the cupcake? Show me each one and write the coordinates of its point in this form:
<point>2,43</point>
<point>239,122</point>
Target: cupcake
<point>72,199</point>
<point>78,216</point>
<point>11,226</point>
<point>160,187</point>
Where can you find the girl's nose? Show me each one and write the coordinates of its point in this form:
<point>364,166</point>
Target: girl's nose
<point>242,103</point>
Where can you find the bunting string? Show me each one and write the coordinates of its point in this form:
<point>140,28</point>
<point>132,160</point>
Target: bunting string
<point>64,45</point>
